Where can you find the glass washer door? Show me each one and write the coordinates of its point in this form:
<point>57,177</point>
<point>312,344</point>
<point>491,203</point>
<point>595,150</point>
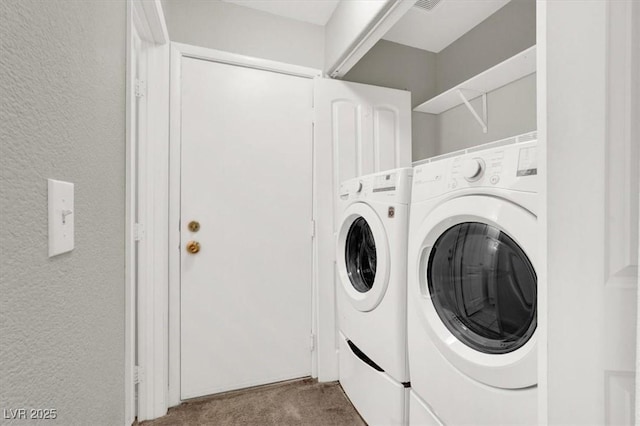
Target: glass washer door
<point>483,287</point>
<point>514,368</point>
<point>360,255</point>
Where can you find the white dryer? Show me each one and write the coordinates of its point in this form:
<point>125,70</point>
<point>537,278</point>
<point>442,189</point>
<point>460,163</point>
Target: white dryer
<point>472,286</point>
<point>371,256</point>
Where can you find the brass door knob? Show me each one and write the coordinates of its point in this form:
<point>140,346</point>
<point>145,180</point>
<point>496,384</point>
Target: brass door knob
<point>193,247</point>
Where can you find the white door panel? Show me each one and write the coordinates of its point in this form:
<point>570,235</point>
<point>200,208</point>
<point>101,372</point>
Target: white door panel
<point>359,129</point>
<point>247,179</point>
<point>592,200</point>
<point>387,143</point>
<point>369,127</point>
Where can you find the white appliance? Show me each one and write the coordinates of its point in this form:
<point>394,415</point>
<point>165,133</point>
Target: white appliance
<point>472,286</point>
<point>371,256</point>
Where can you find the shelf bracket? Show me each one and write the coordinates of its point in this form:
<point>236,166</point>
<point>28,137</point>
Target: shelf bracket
<point>482,121</point>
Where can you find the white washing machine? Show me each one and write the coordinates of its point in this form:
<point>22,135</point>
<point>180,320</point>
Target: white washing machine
<point>371,256</point>
<point>472,286</point>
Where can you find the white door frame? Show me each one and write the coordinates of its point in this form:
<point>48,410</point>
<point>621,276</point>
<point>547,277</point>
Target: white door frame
<point>178,52</point>
<point>541,85</point>
<point>146,279</point>
<point>634,113</point>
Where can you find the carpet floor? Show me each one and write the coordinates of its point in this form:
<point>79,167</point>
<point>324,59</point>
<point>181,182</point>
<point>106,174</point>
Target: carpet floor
<point>297,402</point>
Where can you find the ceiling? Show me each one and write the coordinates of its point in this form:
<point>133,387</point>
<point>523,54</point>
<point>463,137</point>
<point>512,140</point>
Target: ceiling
<point>428,30</point>
<point>445,23</point>
<point>314,11</point>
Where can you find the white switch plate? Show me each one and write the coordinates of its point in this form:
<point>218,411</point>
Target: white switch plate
<point>61,217</point>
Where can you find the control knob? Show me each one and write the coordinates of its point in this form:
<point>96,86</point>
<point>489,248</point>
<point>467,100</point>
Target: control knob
<point>472,169</point>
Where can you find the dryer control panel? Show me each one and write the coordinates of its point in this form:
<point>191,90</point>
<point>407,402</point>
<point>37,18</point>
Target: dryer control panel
<point>509,164</point>
<point>390,186</point>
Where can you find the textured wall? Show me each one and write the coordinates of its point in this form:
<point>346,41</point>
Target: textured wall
<point>510,30</point>
<point>225,26</point>
<point>62,86</point>
<point>402,67</point>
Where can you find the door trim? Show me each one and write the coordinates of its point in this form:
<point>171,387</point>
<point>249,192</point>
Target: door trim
<point>213,55</point>
<point>178,52</point>
<point>146,208</point>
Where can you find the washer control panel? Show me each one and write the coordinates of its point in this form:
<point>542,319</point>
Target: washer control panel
<point>391,185</point>
<point>511,166</point>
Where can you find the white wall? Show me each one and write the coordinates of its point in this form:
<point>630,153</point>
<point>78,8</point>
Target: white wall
<point>62,80</point>
<point>402,67</point>
<point>510,30</point>
<point>425,143</point>
<point>512,108</point>
<point>511,111</point>
<point>225,26</point>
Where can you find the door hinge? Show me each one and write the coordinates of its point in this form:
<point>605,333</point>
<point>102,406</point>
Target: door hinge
<point>141,88</point>
<point>138,231</point>
<point>138,374</point>
<point>313,229</point>
<point>312,342</point>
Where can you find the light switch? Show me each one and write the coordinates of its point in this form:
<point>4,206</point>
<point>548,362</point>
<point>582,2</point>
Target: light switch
<point>61,217</point>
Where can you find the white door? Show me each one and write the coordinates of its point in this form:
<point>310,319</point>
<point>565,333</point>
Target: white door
<point>368,127</point>
<point>592,167</point>
<point>359,129</point>
<point>247,180</point>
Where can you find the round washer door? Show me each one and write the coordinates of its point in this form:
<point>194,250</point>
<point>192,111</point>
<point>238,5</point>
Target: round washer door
<point>363,256</point>
<point>476,288</point>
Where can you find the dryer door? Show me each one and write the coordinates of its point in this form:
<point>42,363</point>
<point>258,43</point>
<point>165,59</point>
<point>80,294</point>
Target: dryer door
<point>477,288</point>
<point>483,287</point>
<point>363,256</point>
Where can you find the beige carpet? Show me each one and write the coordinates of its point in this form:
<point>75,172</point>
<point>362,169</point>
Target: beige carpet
<point>298,402</point>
